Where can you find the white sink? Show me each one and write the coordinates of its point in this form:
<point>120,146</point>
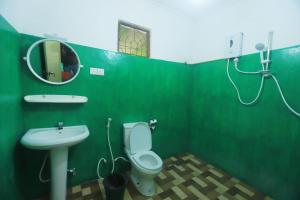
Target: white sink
<point>50,138</point>
<point>57,141</point>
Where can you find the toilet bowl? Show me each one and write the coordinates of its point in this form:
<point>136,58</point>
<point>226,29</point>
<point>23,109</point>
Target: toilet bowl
<point>145,164</point>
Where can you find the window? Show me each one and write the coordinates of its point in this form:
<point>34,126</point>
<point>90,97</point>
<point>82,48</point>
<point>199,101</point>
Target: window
<point>133,40</point>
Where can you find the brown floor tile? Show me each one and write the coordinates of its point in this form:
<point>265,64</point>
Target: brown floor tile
<point>183,177</point>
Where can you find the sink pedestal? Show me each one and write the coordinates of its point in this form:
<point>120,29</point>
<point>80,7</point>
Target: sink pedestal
<point>57,141</point>
<point>59,166</point>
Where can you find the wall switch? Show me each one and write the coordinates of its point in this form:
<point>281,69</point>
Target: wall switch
<point>96,71</point>
<point>234,46</point>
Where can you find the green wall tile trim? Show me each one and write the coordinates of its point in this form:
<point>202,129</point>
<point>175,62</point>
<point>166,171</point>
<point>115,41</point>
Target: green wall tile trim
<point>195,105</point>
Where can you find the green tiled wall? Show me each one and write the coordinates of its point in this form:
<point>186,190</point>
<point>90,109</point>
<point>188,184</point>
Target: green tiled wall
<point>133,89</point>
<point>10,111</point>
<point>260,143</point>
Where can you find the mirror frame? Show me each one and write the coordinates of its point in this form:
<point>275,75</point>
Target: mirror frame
<point>27,58</point>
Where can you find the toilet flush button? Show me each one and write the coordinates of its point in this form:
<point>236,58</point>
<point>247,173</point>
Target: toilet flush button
<point>96,71</point>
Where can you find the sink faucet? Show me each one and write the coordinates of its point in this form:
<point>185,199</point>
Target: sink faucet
<point>60,125</point>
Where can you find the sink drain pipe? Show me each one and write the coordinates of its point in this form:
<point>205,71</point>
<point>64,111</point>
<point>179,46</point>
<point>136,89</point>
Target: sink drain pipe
<point>42,169</point>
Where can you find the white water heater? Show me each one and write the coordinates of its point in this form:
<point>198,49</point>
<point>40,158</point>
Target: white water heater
<point>234,46</point>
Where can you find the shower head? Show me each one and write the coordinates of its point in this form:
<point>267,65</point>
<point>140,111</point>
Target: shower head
<point>260,46</point>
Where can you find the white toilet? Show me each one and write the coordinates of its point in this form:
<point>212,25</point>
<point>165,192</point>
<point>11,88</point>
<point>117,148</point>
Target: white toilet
<point>145,164</point>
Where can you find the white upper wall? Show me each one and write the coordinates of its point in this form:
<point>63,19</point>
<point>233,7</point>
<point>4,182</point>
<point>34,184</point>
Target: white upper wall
<point>95,23</point>
<point>181,30</point>
<point>255,18</point>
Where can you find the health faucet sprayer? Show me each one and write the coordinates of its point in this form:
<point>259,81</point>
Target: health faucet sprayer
<point>113,160</point>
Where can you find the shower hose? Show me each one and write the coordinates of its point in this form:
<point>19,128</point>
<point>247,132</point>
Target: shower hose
<point>264,73</point>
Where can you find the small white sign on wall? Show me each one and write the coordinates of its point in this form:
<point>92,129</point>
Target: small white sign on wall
<point>96,71</point>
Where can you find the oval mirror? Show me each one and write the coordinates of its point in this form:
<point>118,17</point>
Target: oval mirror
<point>53,61</point>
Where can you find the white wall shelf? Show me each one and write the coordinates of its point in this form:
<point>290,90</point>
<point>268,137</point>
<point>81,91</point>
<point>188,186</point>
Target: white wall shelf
<point>47,98</point>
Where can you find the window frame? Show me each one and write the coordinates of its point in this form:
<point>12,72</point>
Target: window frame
<point>140,28</point>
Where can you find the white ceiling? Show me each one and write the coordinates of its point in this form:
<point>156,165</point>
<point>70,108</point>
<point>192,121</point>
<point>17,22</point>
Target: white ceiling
<point>191,8</point>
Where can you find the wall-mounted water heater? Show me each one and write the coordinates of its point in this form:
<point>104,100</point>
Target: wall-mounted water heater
<point>234,46</point>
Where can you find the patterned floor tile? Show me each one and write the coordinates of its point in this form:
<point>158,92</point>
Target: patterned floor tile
<point>183,177</point>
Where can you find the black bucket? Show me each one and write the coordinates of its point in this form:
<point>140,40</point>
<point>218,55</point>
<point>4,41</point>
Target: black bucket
<point>114,186</point>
